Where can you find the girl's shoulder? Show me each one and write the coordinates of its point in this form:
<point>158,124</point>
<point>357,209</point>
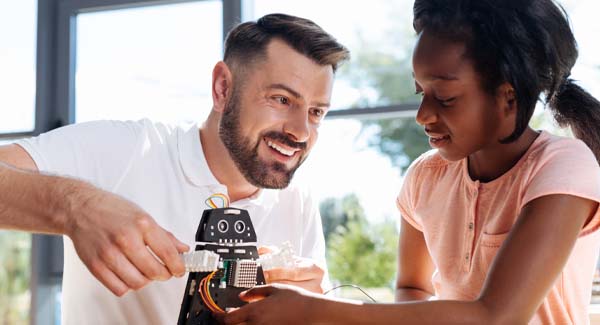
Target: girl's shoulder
<point>549,146</point>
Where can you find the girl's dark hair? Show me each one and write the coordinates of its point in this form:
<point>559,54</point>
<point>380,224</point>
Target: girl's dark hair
<point>527,43</point>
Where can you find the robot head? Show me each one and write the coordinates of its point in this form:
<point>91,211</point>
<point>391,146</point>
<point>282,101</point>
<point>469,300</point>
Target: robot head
<point>226,226</point>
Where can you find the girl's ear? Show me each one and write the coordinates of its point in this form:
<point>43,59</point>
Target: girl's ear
<point>507,98</point>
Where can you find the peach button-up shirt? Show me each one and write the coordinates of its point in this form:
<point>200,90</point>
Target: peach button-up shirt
<point>464,222</point>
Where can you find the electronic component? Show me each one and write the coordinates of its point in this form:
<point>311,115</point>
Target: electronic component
<point>280,258</point>
<point>242,273</point>
<point>200,261</point>
<point>214,284</point>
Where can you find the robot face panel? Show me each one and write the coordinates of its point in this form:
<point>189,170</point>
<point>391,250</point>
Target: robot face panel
<point>227,226</point>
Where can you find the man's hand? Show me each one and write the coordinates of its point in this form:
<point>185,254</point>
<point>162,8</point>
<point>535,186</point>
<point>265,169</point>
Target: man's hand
<point>118,241</point>
<point>305,273</point>
<point>114,238</point>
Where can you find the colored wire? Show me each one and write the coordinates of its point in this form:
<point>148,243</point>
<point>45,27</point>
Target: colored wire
<point>221,198</point>
<point>205,294</point>
<point>352,286</point>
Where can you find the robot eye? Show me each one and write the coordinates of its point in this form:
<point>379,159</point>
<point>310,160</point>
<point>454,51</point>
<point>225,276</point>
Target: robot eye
<point>223,226</point>
<point>239,226</point>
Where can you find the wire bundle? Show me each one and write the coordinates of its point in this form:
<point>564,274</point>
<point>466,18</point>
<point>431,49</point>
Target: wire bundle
<point>217,198</point>
<point>205,294</point>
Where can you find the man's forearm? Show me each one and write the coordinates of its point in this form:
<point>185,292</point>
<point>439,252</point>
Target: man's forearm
<point>35,202</point>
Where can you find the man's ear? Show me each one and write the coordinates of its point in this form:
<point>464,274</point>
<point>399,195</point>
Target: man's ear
<point>222,85</point>
<point>507,98</point>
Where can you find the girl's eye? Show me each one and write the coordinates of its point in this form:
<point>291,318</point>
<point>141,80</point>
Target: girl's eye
<point>446,102</point>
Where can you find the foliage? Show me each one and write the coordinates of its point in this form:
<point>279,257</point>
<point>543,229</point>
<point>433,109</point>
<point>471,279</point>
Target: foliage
<point>336,213</point>
<point>383,76</point>
<point>358,252</point>
<point>14,277</point>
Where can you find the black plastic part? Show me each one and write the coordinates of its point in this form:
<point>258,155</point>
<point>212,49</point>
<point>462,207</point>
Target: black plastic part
<point>226,225</point>
<point>193,311</point>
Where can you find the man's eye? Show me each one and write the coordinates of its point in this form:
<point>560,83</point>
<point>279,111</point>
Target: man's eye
<point>282,100</point>
<point>318,112</point>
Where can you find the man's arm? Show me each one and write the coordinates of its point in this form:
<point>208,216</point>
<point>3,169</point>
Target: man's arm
<point>111,235</point>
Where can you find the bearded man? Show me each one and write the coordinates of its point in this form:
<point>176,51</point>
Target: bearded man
<point>127,196</point>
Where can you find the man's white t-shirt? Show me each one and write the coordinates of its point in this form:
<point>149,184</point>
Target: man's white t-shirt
<point>163,170</point>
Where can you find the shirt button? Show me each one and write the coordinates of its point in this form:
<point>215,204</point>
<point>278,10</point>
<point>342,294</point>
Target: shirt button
<point>471,226</point>
<point>467,257</point>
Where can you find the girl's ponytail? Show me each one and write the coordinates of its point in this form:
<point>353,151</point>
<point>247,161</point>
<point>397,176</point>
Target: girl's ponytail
<point>574,107</point>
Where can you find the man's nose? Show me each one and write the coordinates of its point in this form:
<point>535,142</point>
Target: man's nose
<point>297,125</point>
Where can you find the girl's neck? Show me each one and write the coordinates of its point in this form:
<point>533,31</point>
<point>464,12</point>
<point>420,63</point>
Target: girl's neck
<point>488,164</point>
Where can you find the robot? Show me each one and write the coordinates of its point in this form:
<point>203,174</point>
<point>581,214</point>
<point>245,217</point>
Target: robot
<point>224,263</point>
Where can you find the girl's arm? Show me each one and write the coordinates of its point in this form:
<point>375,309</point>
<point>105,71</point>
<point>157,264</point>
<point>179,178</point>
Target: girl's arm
<point>521,275</point>
<point>415,266</point>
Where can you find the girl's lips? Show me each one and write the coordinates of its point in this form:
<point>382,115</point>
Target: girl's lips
<point>438,142</point>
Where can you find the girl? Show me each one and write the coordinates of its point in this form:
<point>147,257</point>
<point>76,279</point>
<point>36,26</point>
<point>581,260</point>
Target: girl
<point>498,221</point>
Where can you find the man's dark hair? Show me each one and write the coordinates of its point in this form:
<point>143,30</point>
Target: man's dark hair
<point>527,43</point>
<point>247,42</point>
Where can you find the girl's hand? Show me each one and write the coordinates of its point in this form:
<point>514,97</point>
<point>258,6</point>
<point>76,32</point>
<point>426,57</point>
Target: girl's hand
<point>273,304</point>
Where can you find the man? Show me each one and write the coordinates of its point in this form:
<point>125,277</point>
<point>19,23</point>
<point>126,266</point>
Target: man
<point>128,190</point>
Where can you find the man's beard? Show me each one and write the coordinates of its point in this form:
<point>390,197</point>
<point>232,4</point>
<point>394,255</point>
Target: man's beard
<point>245,154</point>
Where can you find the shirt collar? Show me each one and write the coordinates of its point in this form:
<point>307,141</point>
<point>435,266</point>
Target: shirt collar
<point>196,170</point>
<point>192,159</point>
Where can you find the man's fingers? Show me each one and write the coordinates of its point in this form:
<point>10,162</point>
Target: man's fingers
<point>162,245</point>
<point>265,250</point>
<point>310,285</point>
<point>149,265</point>
<point>299,273</point>
<point>122,268</point>
<point>108,278</point>
<point>181,247</point>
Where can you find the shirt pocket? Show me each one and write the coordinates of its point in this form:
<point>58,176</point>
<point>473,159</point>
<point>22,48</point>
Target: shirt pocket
<point>488,247</point>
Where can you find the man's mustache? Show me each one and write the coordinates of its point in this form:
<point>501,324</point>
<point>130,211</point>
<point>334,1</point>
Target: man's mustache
<point>281,137</point>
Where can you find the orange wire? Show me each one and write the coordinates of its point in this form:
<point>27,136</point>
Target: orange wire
<point>205,294</point>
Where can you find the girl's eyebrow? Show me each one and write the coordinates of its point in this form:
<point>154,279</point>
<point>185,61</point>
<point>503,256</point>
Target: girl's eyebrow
<point>447,77</point>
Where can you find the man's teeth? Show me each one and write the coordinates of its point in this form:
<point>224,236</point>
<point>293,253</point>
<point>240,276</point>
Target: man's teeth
<point>283,151</point>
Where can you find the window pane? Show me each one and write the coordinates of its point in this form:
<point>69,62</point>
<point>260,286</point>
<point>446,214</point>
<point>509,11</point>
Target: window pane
<point>15,271</point>
<point>360,218</point>
<point>153,62</point>
<point>15,250</point>
<point>380,37</point>
<point>18,21</point>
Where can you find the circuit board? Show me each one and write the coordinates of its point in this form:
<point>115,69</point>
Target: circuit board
<point>228,233</point>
